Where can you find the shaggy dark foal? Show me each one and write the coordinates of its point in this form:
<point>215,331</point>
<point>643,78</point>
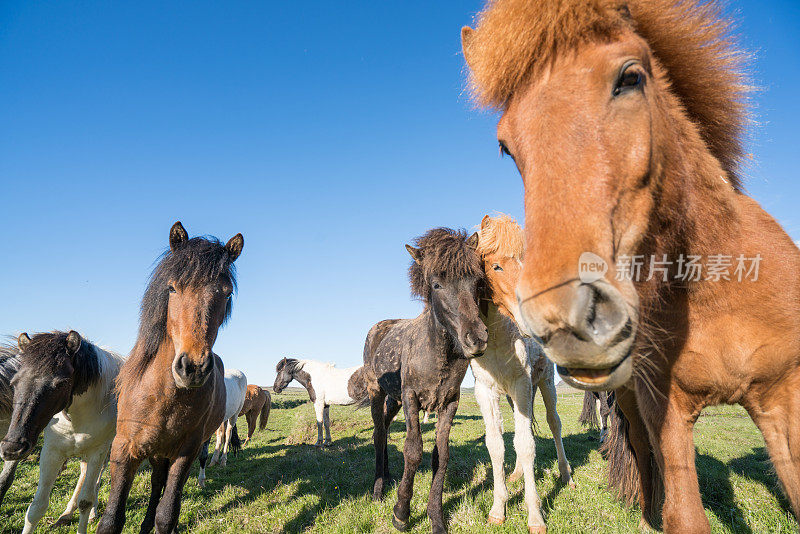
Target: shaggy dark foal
<point>421,362</point>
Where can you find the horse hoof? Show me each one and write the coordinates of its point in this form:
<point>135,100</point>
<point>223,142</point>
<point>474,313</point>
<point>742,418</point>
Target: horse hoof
<point>539,529</point>
<point>402,526</point>
<point>496,520</point>
<point>513,477</point>
<point>63,521</point>
<point>571,484</point>
<point>223,463</point>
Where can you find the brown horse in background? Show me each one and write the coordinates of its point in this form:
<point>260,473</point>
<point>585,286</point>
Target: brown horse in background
<point>257,401</point>
<point>171,389</point>
<point>625,121</point>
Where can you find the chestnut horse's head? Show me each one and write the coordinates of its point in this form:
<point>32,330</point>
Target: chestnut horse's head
<point>188,299</point>
<point>500,245</point>
<point>446,273</point>
<point>594,95</point>
<point>53,367</point>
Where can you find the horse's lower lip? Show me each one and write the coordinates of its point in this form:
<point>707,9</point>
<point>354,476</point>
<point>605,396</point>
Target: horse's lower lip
<point>590,377</point>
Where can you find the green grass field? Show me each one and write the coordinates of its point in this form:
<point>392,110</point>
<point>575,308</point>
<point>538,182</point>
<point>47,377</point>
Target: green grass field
<point>282,483</point>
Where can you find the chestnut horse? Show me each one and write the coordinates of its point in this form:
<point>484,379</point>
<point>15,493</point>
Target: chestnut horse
<point>257,402</point>
<point>625,121</point>
<point>421,362</point>
<point>171,389</point>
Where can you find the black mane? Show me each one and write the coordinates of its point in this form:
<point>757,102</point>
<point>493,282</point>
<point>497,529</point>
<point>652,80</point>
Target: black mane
<point>289,363</point>
<point>9,363</point>
<point>445,253</point>
<point>48,348</point>
<point>197,262</point>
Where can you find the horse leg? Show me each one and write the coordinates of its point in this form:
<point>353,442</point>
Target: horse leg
<point>778,424</point>
<point>201,476</point>
<point>412,456</point>
<point>159,467</point>
<point>489,403</point>
<point>425,419</point>
<point>123,469</point>
<point>548,387</point>
<point>7,477</point>
<point>223,461</point>
<point>326,419</point>
<point>251,417</point>
<point>319,411</point>
<point>439,459</point>
<point>50,463</point>
<point>392,407</point>
<point>168,510</point>
<point>605,411</point>
<point>87,499</point>
<point>220,438</point>
<point>93,511</point>
<point>66,516</point>
<point>674,445</point>
<point>379,442</point>
<point>525,447</point>
<point>516,474</point>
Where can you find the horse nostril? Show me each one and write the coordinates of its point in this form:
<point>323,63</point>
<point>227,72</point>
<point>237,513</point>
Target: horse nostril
<point>598,315</point>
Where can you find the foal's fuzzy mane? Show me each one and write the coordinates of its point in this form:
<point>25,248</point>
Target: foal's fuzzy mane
<point>45,348</point>
<point>501,235</point>
<point>445,253</point>
<point>515,40</point>
<point>194,263</point>
<point>9,363</point>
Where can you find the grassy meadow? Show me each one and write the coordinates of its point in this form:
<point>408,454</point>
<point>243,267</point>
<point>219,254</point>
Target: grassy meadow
<point>282,483</point>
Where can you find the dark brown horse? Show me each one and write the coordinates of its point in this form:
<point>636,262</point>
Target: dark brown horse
<point>171,390</point>
<point>421,362</point>
<point>646,266</point>
<point>257,402</point>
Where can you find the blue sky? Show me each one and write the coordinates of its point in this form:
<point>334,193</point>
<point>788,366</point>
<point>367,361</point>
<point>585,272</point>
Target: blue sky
<point>329,134</point>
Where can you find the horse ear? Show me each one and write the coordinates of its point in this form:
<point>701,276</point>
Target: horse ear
<point>485,222</point>
<point>466,38</point>
<point>177,235</point>
<point>73,342</point>
<point>472,242</point>
<point>415,253</point>
<point>235,246</point>
<point>23,341</point>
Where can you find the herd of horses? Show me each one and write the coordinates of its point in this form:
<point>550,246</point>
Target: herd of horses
<point>625,120</point>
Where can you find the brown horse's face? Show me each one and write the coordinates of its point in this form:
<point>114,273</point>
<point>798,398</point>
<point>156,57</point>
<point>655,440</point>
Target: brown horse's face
<point>42,388</point>
<point>194,316</point>
<point>581,137</point>
<point>502,275</point>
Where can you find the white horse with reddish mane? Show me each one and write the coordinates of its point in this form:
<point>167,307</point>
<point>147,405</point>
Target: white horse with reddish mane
<point>512,366</point>
<point>325,383</point>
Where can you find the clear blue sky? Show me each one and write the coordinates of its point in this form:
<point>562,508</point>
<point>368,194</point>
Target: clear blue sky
<point>328,133</point>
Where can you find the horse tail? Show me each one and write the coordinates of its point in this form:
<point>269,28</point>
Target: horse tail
<point>588,417</point>
<point>262,422</point>
<point>623,470</point>
<point>236,443</point>
<point>357,388</point>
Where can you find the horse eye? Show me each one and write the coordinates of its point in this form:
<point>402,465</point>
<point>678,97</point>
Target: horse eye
<point>497,267</point>
<point>504,150</point>
<point>171,288</point>
<point>630,78</point>
<point>436,285</point>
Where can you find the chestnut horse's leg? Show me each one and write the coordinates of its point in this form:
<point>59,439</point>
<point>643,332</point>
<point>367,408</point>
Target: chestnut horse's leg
<point>169,508</point>
<point>251,417</point>
<point>776,418</point>
<point>674,445</point>
<point>379,442</point>
<point>158,479</point>
<point>640,443</point>
<point>439,459</point>
<point>412,456</point>
<point>392,407</point>
<point>123,469</point>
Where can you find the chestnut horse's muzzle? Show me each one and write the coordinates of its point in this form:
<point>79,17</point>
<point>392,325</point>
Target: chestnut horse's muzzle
<point>190,373</point>
<point>586,329</point>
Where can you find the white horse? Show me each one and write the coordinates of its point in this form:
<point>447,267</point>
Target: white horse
<point>512,366</point>
<point>227,437</point>
<point>64,388</point>
<point>325,384</point>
